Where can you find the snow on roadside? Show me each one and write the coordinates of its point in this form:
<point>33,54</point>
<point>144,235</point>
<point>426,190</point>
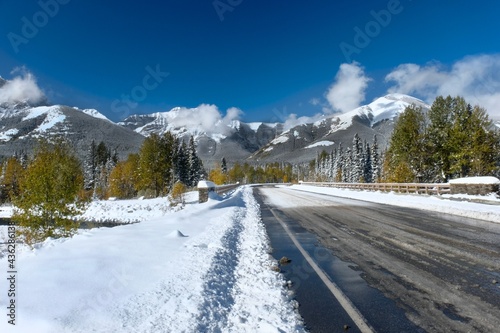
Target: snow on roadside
<point>258,289</point>
<point>206,266</point>
<point>132,210</point>
<point>432,203</point>
<point>123,211</point>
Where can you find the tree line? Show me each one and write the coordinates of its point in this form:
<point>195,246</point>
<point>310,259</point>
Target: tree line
<point>52,187</point>
<point>161,162</point>
<point>277,172</point>
<point>450,140</point>
<point>359,163</point>
<point>453,139</point>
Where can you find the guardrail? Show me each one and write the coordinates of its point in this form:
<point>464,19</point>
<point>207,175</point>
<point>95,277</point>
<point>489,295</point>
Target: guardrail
<point>418,188</point>
<point>221,189</point>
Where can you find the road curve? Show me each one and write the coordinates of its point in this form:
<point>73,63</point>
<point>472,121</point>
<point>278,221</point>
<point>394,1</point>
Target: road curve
<point>443,271</point>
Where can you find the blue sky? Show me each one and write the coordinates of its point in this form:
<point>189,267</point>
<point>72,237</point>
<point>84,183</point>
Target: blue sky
<point>270,59</point>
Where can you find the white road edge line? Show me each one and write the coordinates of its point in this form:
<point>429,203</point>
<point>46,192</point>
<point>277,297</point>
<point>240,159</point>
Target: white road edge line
<point>345,302</point>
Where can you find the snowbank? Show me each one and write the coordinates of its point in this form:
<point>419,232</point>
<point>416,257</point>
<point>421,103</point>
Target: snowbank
<point>133,210</point>
<point>476,180</point>
<point>206,184</point>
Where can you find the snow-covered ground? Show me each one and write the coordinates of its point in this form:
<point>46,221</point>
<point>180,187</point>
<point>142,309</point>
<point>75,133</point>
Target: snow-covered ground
<point>134,210</point>
<point>205,268</point>
<point>457,204</point>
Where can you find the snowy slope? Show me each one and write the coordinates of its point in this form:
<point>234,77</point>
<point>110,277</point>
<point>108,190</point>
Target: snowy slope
<point>302,143</point>
<point>94,113</point>
<point>21,126</point>
<point>205,268</point>
<point>383,108</point>
<point>204,120</point>
<point>180,121</point>
<point>50,116</point>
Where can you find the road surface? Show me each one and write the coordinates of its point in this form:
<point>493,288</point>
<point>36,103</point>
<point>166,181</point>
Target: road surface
<point>442,271</point>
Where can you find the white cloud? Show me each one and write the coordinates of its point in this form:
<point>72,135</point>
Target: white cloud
<point>348,90</point>
<point>22,88</point>
<point>205,117</point>
<point>292,120</point>
<point>476,78</point>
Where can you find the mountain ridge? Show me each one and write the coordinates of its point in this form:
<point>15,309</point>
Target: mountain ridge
<point>303,142</point>
<point>216,136</point>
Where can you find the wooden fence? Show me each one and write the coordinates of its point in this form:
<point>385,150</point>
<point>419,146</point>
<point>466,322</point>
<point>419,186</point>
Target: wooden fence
<point>418,188</point>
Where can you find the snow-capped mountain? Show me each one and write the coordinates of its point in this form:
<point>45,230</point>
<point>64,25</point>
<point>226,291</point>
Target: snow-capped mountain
<point>22,125</point>
<point>93,113</point>
<point>216,136</point>
<point>302,143</point>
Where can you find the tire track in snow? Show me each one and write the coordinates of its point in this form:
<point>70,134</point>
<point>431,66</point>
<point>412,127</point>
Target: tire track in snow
<point>220,280</point>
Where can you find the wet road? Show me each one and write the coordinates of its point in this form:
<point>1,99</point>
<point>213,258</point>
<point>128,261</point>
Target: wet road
<point>441,272</point>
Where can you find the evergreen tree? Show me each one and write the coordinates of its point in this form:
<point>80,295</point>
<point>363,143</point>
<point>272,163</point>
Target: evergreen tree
<point>339,164</point>
<point>438,135</point>
<point>407,146</point>
<point>357,160</point>
<point>97,166</point>
<point>90,167</point>
<point>367,164</point>
<point>223,166</point>
<point>347,166</point>
<point>461,140</point>
<point>473,146</point>
<point>375,160</point>
<point>183,167</point>
<point>333,165</point>
<point>196,171</point>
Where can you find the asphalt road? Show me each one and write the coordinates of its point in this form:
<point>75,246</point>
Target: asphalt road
<point>442,272</point>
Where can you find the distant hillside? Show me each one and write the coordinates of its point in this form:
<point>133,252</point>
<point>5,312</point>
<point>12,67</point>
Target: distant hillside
<point>234,140</point>
<point>302,143</point>
<point>22,125</point>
